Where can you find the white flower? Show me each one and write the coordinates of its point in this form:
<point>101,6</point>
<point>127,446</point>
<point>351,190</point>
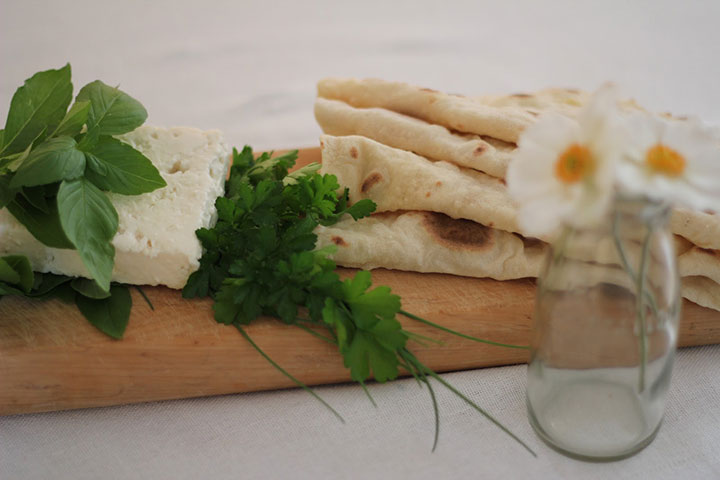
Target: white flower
<point>672,161</point>
<point>563,169</point>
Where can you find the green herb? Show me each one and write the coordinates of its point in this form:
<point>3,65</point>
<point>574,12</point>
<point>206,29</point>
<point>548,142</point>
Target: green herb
<point>260,260</point>
<point>55,163</point>
<point>110,315</point>
<point>108,311</point>
<point>16,276</point>
<point>37,107</point>
<point>90,221</point>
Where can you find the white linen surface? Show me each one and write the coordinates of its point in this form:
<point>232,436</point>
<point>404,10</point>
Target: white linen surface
<point>249,68</point>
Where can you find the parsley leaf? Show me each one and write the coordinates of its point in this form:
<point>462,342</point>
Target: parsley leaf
<point>260,259</point>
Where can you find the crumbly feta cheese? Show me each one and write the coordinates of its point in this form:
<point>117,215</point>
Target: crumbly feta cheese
<point>155,243</point>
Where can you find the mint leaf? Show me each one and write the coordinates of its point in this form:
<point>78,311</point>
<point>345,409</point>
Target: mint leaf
<point>8,273</point>
<point>74,120</point>
<point>88,288</point>
<point>109,315</point>
<point>47,283</point>
<point>7,194</point>
<point>21,266</point>
<point>117,167</point>
<point>90,222</point>
<point>38,105</point>
<point>52,161</point>
<point>43,226</point>
<point>37,198</point>
<point>12,162</point>
<point>112,111</point>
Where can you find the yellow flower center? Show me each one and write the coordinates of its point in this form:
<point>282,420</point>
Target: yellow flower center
<point>665,160</point>
<point>574,164</point>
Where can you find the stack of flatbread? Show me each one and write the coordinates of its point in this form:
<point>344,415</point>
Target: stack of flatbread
<point>435,163</point>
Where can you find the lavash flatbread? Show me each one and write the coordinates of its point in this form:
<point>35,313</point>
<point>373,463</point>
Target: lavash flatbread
<point>432,242</point>
<point>701,290</point>
<point>702,229</point>
<point>408,133</point>
<point>700,262</point>
<point>452,111</point>
<point>398,180</point>
<point>567,101</point>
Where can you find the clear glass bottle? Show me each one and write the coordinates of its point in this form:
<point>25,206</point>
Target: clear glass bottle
<point>605,333</point>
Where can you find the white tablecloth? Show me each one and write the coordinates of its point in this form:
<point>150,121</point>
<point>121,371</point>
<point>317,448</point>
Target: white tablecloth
<point>249,68</point>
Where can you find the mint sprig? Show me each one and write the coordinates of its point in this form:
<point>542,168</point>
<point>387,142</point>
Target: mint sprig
<point>55,164</point>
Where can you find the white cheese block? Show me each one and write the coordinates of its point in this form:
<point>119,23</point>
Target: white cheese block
<point>156,242</point>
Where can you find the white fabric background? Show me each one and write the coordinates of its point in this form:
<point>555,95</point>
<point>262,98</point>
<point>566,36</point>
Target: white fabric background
<point>249,68</point>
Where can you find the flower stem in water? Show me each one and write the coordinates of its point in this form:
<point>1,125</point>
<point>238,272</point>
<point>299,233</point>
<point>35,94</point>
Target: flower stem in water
<point>641,308</point>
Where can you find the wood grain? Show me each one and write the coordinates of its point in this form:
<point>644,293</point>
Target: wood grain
<point>52,359</point>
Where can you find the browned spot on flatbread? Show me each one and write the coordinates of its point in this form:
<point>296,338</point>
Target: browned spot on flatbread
<point>339,241</point>
<point>322,144</point>
<point>430,90</point>
<point>354,152</point>
<point>530,242</point>
<point>427,194</point>
<point>521,95</point>
<point>457,233</point>
<point>480,149</point>
<point>709,251</point>
<point>533,113</point>
<point>438,183</point>
<point>370,181</point>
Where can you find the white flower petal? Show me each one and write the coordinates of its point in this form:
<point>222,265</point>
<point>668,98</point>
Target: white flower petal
<point>553,131</point>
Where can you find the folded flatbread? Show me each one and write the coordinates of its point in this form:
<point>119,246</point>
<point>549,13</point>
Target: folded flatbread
<point>700,262</point>
<point>701,228</point>
<point>566,101</point>
<point>399,180</point>
<point>408,133</point>
<point>451,111</point>
<point>434,243</point>
<point>701,290</point>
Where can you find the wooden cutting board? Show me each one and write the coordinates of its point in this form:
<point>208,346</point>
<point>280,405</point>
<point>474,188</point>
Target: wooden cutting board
<point>52,359</point>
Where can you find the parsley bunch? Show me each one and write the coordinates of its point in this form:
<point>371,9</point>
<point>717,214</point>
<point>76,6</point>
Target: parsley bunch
<point>55,165</point>
<point>260,259</point>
